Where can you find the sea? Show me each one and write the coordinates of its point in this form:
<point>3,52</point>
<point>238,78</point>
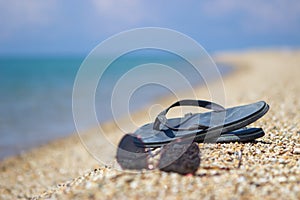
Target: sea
<point>36,94</point>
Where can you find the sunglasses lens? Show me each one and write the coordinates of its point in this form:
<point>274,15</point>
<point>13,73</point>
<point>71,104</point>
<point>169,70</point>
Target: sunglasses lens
<point>131,154</point>
<point>180,157</point>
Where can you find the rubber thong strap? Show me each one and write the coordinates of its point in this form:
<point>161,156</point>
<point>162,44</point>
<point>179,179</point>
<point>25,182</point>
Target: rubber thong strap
<point>161,118</point>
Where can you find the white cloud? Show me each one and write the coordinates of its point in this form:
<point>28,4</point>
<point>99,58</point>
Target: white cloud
<point>15,15</point>
<point>257,14</point>
<point>126,12</point>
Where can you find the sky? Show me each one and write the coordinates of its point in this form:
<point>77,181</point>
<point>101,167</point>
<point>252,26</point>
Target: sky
<point>55,27</point>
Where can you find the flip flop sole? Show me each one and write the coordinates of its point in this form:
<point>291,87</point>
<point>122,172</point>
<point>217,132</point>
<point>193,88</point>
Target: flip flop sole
<point>240,135</point>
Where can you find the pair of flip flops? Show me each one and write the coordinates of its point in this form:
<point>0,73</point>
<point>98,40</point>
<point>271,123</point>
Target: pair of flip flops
<point>219,125</point>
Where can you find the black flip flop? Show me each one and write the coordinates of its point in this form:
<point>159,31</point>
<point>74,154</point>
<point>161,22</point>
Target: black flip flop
<point>220,125</point>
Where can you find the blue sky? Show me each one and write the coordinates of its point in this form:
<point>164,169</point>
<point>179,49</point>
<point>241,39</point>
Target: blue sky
<point>75,27</point>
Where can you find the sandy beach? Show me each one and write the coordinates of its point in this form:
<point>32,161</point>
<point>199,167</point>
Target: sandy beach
<point>270,166</point>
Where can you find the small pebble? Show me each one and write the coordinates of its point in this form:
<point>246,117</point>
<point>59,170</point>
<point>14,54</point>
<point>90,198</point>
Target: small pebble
<point>296,151</point>
<point>282,179</point>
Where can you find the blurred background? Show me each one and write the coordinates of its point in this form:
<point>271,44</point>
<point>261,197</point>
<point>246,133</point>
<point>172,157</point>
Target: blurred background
<point>66,27</point>
<point>42,44</point>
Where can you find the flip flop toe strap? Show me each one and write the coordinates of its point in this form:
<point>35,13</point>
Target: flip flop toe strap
<point>162,120</point>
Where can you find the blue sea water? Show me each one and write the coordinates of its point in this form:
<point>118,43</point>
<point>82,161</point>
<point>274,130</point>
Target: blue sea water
<point>36,96</point>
